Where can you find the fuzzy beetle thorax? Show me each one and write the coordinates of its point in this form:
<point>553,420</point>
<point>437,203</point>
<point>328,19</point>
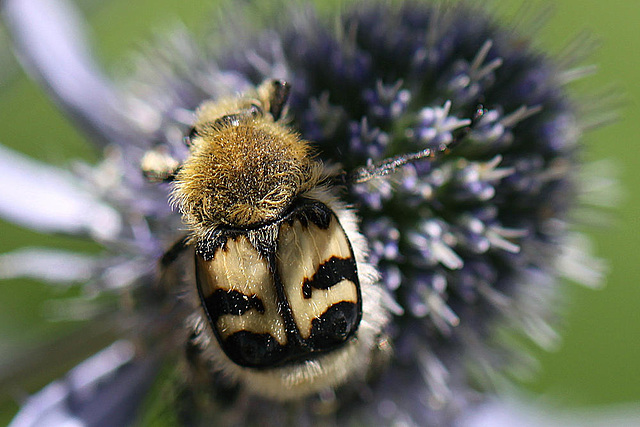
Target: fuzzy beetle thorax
<point>242,172</point>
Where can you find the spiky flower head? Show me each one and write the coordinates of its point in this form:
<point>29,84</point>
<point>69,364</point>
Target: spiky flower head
<point>466,243</point>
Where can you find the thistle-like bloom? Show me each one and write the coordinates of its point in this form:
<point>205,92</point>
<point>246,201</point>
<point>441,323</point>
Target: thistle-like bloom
<point>467,244</point>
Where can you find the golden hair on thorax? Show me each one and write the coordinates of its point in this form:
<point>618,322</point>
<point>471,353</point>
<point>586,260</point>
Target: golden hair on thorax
<point>244,168</point>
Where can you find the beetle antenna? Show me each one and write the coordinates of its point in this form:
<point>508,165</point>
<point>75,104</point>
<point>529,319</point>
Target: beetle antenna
<point>391,164</point>
<point>387,166</point>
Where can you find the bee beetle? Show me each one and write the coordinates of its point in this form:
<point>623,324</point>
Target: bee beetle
<point>287,303</point>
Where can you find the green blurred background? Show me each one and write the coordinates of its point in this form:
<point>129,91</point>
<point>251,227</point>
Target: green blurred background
<point>598,362</point>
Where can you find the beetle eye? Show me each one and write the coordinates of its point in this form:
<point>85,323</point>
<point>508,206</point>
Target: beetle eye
<point>193,132</point>
<point>254,110</point>
<point>228,120</point>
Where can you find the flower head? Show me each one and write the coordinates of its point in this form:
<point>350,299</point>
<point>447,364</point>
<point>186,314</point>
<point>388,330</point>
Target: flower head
<point>462,241</point>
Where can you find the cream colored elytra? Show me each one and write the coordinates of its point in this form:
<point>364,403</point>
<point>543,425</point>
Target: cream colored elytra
<point>301,250</point>
<point>355,360</point>
<point>240,268</point>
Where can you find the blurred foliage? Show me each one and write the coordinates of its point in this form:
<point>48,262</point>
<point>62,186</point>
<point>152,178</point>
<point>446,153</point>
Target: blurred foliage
<point>598,362</point>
